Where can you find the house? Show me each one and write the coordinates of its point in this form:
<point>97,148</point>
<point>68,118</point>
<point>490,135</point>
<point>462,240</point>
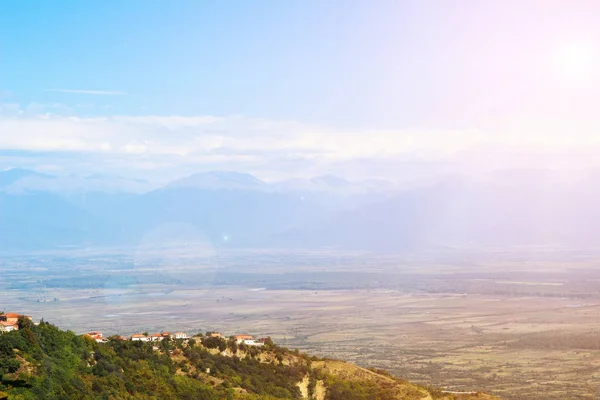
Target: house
<point>179,335</point>
<point>140,338</point>
<point>97,336</point>
<point>14,317</point>
<point>8,326</point>
<point>214,334</point>
<point>240,338</point>
<point>166,334</point>
<point>156,337</point>
<point>247,340</point>
<point>251,342</point>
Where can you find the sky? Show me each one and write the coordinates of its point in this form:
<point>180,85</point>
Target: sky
<point>282,89</point>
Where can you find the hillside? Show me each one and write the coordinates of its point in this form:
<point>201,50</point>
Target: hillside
<point>43,362</point>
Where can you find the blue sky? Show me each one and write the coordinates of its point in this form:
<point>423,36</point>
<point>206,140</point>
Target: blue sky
<point>286,88</point>
<point>312,60</point>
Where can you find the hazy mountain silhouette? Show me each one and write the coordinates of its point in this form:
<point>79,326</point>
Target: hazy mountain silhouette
<point>13,175</point>
<point>239,210</point>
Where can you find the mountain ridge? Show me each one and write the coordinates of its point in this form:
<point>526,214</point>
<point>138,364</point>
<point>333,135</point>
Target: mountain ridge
<point>238,210</point>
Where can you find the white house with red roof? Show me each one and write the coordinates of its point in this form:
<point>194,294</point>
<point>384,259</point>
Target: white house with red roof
<point>138,337</point>
<point>240,338</point>
<point>97,336</point>
<point>6,326</point>
<point>155,337</point>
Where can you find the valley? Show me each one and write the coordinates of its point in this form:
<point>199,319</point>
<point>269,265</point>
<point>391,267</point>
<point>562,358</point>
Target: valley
<point>515,325</point>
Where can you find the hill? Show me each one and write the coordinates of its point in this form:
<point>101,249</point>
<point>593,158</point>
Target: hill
<point>44,362</point>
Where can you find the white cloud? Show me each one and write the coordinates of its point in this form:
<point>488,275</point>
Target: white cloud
<point>289,147</point>
<point>95,92</point>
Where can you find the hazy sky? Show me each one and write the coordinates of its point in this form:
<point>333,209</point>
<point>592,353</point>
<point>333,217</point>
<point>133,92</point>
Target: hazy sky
<point>293,88</point>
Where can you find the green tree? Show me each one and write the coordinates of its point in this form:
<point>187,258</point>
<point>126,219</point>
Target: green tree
<point>269,342</point>
<point>25,323</point>
<point>215,343</point>
<point>232,344</point>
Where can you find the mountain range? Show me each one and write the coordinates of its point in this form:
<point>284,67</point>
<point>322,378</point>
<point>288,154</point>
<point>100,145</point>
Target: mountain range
<point>234,209</point>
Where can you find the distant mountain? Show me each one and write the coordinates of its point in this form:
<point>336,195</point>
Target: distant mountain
<point>225,215</point>
<point>74,184</point>
<point>220,180</point>
<point>13,175</point>
<point>335,185</point>
<point>41,211</point>
<point>239,210</point>
<point>331,181</point>
<point>38,220</point>
<point>459,212</point>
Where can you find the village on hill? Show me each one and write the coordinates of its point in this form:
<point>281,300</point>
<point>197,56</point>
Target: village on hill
<point>10,322</point>
<point>155,337</point>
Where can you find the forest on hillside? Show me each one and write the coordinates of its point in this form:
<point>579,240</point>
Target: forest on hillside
<point>43,362</point>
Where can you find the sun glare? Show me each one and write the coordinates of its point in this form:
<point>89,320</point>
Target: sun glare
<point>575,61</point>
